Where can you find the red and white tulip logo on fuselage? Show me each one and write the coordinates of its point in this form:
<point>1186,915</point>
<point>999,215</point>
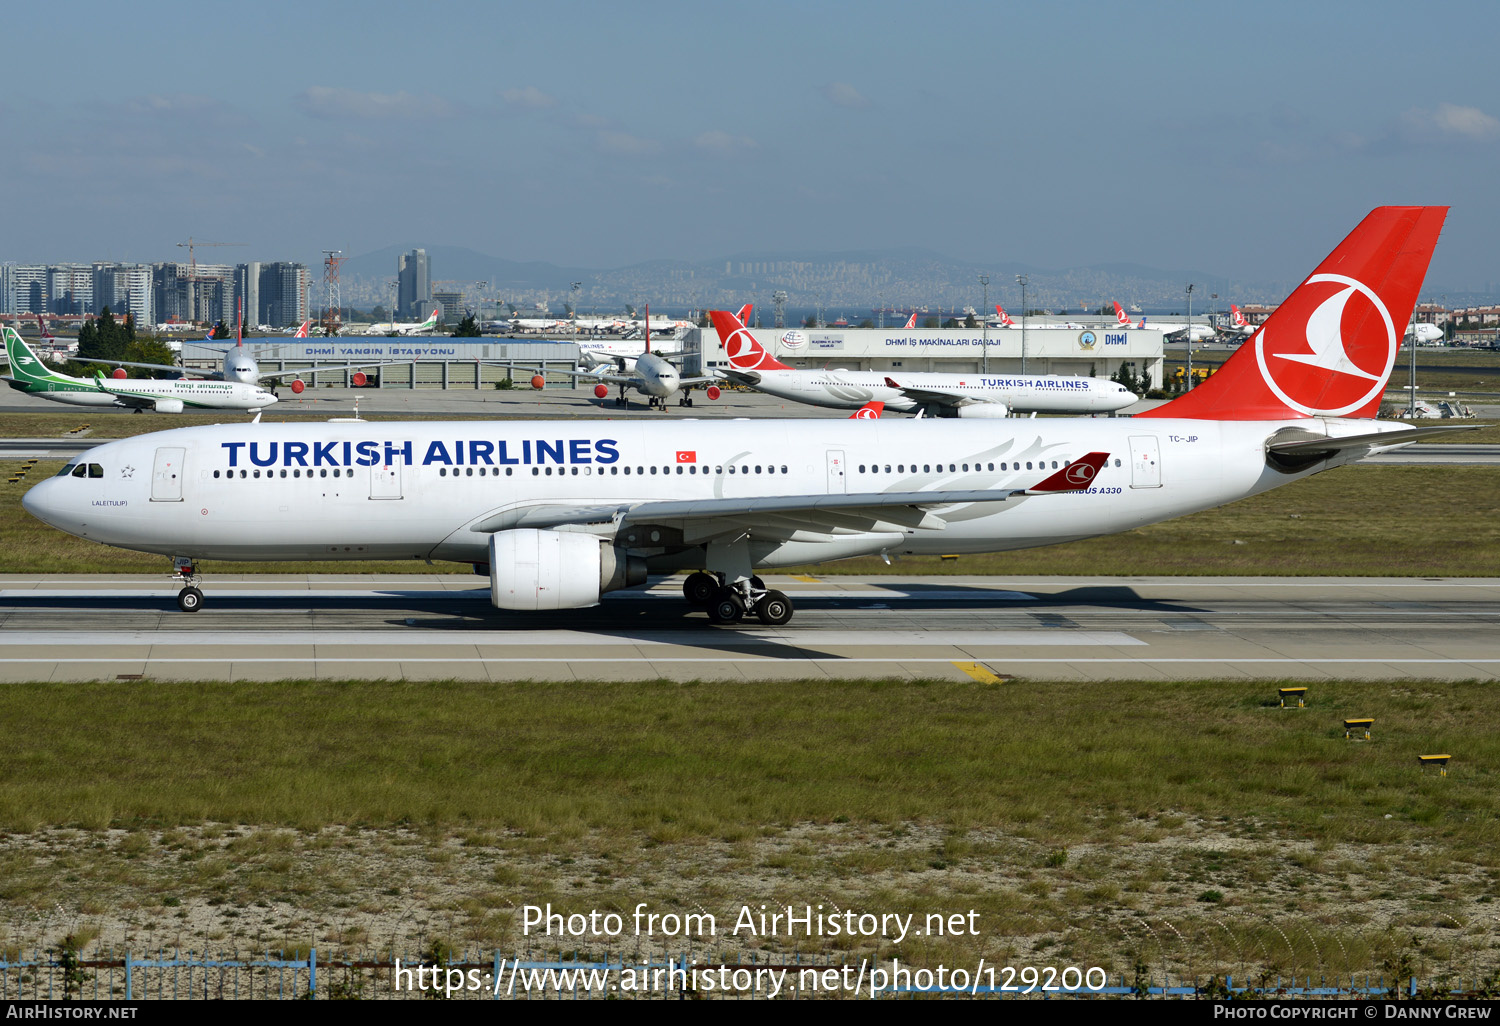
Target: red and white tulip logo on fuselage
<point>1339,362</point>
<point>1079,474</point>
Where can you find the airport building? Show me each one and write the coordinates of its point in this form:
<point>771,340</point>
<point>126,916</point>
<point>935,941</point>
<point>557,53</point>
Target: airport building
<point>444,362</point>
<point>1086,352</point>
<point>420,362</point>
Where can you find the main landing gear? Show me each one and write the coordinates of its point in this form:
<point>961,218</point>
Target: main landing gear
<point>730,603</point>
<point>190,598</point>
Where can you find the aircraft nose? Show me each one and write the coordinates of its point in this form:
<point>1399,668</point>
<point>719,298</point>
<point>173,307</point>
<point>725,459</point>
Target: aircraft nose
<point>47,502</point>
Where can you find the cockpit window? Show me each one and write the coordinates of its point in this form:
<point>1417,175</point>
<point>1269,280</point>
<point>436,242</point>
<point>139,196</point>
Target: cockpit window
<point>95,470</point>
<point>80,470</point>
<point>65,471</point>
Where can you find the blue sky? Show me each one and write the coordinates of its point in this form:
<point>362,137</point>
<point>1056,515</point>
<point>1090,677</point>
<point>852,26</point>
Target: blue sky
<point>1238,140</point>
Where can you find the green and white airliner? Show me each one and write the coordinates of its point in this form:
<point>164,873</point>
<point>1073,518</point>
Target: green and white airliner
<point>30,375</point>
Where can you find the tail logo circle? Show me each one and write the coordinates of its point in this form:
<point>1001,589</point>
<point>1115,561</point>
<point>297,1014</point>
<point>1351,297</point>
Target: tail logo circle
<point>1323,373</point>
<point>743,351</point>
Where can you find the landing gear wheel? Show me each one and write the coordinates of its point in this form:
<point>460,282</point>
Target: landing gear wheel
<point>726,607</point>
<point>699,589</point>
<point>190,600</point>
<point>774,608</point>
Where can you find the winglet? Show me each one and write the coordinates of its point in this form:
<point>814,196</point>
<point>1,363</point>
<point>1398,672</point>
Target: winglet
<point>1075,477</point>
<point>891,383</point>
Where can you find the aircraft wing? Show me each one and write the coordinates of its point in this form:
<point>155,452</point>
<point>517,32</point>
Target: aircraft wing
<point>127,399</point>
<point>592,375</point>
<point>206,375</point>
<point>785,515</point>
<point>930,396</point>
<point>331,368</point>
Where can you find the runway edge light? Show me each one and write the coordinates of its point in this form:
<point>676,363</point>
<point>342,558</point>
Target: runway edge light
<point>1287,694</point>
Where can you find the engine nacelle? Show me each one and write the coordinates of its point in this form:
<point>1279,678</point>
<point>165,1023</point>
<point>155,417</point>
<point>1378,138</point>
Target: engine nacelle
<point>298,385</point>
<point>169,406</point>
<point>983,411</point>
<point>557,569</point>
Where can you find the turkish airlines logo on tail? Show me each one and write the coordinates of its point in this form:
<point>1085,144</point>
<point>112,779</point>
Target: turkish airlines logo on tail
<point>1235,317</point>
<point>1121,315</point>
<point>1341,358</point>
<point>743,351</point>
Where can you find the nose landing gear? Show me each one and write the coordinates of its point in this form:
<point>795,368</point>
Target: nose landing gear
<point>190,598</point>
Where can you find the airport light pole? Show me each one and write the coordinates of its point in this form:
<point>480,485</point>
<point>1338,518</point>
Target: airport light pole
<point>879,310</point>
<point>1023,281</point>
<point>576,286</point>
<point>1188,385</point>
<point>984,320</point>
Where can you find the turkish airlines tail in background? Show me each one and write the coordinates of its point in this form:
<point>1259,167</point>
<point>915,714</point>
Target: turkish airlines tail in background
<point>1004,317</point>
<point>1122,316</point>
<point>911,322</point>
<point>302,331</point>
<point>1236,319</point>
<point>1329,349</point>
<point>741,348</point>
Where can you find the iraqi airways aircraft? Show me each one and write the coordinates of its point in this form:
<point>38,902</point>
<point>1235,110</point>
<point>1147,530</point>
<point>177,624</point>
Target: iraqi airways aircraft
<point>971,396</point>
<point>405,327</point>
<point>559,512</point>
<point>31,376</point>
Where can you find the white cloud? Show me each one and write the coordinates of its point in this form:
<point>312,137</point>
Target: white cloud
<point>328,102</point>
<point>843,94</point>
<point>625,144</point>
<point>723,143</point>
<point>1470,122</point>
<point>530,97</point>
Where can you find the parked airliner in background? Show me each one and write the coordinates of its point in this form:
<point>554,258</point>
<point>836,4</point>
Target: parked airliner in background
<point>559,512</point>
<point>973,395</point>
<point>1423,332</point>
<point>30,375</point>
<point>405,327</point>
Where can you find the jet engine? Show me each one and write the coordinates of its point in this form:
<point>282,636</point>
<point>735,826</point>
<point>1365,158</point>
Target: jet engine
<point>557,570</point>
<point>983,411</point>
<point>169,406</point>
<point>298,385</point>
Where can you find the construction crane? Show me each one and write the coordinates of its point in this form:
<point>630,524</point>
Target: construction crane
<point>191,244</point>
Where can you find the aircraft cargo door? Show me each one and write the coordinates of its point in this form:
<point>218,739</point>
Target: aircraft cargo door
<point>385,481</point>
<point>166,476</point>
<point>836,479</point>
<point>1145,462</point>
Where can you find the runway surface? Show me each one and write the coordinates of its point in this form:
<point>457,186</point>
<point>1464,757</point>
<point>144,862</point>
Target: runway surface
<point>71,628</point>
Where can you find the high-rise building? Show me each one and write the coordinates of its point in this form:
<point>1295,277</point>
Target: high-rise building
<point>415,276</point>
<point>70,289</point>
<point>125,289</point>
<point>452,303</point>
<point>247,292</point>
<point>283,294</point>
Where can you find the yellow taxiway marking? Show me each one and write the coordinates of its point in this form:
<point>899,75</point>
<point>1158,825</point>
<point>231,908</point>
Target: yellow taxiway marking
<point>979,672</point>
<point>808,578</point>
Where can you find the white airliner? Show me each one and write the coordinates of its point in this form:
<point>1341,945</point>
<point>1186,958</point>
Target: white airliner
<point>1424,332</point>
<point>240,366</point>
<point>559,512</point>
<point>975,395</point>
<point>405,327</point>
<point>31,376</point>
<point>1178,330</point>
<point>1237,323</point>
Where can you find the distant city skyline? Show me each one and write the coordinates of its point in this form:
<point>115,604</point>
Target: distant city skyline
<point>1237,142</point>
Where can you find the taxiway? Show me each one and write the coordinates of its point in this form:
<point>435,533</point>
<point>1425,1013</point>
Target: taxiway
<point>71,628</point>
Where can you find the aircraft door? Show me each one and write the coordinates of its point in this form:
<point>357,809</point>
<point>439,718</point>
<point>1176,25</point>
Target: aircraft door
<point>385,481</point>
<point>166,475</point>
<point>1145,462</point>
<point>836,476</point>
